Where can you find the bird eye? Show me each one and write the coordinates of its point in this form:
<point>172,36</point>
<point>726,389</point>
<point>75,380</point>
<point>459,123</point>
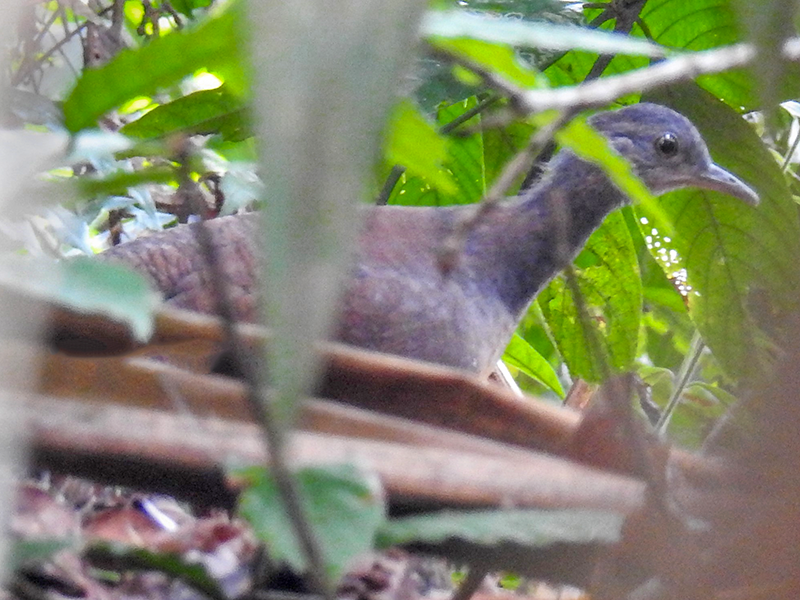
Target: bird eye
<point>667,144</point>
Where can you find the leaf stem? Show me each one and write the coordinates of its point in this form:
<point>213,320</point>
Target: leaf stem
<point>684,374</point>
<point>791,152</point>
<point>471,583</point>
<point>389,185</point>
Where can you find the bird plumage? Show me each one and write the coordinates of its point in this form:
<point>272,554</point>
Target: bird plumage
<point>399,301</point>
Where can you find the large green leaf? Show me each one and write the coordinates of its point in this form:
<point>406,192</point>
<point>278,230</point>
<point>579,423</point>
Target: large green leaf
<point>700,25</point>
<point>413,143</point>
<point>341,504</point>
<point>464,162</point>
<point>680,24</point>
<point>529,528</point>
<point>496,58</point>
<point>86,286</point>
<point>204,112</point>
<point>500,145</point>
<point>574,66</point>
<point>741,262</point>
<point>608,279</point>
<point>523,356</point>
<point>213,45</point>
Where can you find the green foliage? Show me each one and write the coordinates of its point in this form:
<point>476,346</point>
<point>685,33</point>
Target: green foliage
<point>215,111</point>
<point>340,502</point>
<point>87,286</point>
<point>739,260</point>
<point>119,183</point>
<point>523,356</point>
<point>120,558</point>
<point>463,162</point>
<point>408,131</point>
<point>611,289</point>
<point>187,7</point>
<point>214,45</point>
<point>700,261</point>
<point>113,290</point>
<point>497,57</point>
<point>701,25</point>
<point>24,552</point>
<point>527,528</point>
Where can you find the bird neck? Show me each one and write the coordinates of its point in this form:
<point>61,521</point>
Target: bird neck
<point>529,239</point>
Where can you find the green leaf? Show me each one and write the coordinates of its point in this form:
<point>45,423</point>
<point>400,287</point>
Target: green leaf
<point>523,356</point>
<point>612,292</point>
<point>24,552</point>
<point>464,162</point>
<point>187,7</point>
<point>702,25</point>
<point>120,182</point>
<point>240,186</point>
<point>680,24</point>
<point>501,145</point>
<point>120,558</point>
<point>496,58</point>
<point>88,286</point>
<point>413,143</point>
<point>455,24</point>
<point>529,528</point>
<point>203,112</point>
<point>340,502</point>
<point>214,45</point>
<point>739,262</point>
<point>437,84</point>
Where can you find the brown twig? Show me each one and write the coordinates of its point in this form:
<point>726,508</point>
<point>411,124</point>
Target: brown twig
<point>258,400</point>
<point>26,67</point>
<point>471,583</point>
<point>388,185</point>
<point>452,246</point>
<point>625,14</point>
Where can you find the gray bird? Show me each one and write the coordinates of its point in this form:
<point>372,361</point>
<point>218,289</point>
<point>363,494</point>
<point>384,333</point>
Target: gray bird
<point>399,301</point>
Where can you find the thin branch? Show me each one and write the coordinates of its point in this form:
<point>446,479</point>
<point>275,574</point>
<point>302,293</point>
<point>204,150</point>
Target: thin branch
<point>625,14</point>
<point>452,246</point>
<point>467,115</point>
<point>668,72</point>
<point>471,583</point>
<point>604,91</point>
<point>687,369</point>
<point>388,185</point>
<point>788,158</point>
<point>25,70</point>
<point>260,404</point>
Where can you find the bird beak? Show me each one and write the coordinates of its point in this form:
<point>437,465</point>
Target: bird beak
<point>718,179</point>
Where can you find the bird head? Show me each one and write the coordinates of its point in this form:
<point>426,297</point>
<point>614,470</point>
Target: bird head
<point>667,151</point>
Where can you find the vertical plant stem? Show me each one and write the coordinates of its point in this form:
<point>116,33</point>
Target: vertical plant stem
<point>684,374</point>
<point>388,185</point>
<point>791,152</point>
<point>471,583</point>
<point>261,407</point>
